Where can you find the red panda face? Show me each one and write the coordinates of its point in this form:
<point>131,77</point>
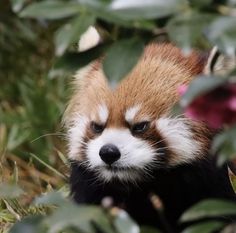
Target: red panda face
<point>128,132</point>
<point>121,150</point>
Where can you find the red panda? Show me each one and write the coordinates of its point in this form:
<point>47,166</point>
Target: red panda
<point>125,143</point>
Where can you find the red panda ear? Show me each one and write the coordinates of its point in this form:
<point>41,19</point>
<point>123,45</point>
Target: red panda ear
<point>90,88</point>
<point>90,75</point>
<point>219,64</point>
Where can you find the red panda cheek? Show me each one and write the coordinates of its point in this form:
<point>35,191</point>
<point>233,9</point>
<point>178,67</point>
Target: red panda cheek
<point>159,144</point>
<point>76,134</point>
<point>181,139</point>
<point>203,135</point>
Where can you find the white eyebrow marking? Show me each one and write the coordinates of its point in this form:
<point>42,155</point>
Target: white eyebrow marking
<point>103,113</point>
<point>131,112</point>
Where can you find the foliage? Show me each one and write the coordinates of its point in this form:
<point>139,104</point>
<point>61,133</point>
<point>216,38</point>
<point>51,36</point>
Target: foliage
<point>92,218</point>
<point>31,100</point>
<point>32,95</point>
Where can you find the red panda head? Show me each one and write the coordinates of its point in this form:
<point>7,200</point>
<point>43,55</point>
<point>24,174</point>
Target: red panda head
<point>127,132</point>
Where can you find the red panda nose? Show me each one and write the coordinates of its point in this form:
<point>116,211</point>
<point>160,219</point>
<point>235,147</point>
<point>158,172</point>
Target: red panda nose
<point>109,153</point>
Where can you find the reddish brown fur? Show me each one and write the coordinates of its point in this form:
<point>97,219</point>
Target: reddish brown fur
<point>152,84</point>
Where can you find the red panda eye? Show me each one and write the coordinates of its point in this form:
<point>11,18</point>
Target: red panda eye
<point>97,128</point>
<point>140,127</point>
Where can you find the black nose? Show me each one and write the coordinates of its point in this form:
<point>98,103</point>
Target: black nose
<point>109,153</point>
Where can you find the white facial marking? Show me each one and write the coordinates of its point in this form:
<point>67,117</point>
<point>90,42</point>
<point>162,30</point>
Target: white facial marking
<point>131,113</point>
<point>135,153</point>
<point>76,133</point>
<point>180,139</point>
<point>103,113</point>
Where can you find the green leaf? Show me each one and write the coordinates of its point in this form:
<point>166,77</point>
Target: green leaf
<point>51,9</point>
<point>200,86</point>
<point>222,32</point>
<point>28,225</point>
<point>152,9</point>
<point>209,208</point>
<point>106,11</point>
<point>206,227</point>
<point>233,74</point>
<point>17,5</point>
<point>16,137</point>
<point>101,10</point>
<point>147,229</point>
<point>121,57</point>
<point>200,3</point>
<point>71,32</point>
<point>124,224</point>
<point>53,198</point>
<point>187,30</point>
<point>10,191</point>
<point>78,216</point>
<point>231,2</point>
<point>224,144</point>
<point>72,61</point>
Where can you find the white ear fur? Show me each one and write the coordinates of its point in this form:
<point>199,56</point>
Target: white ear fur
<point>219,64</point>
<point>89,39</point>
<point>78,82</point>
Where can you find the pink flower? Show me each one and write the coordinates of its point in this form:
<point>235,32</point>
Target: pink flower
<point>182,89</point>
<point>216,108</point>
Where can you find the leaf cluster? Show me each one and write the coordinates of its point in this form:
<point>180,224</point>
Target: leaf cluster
<point>32,99</point>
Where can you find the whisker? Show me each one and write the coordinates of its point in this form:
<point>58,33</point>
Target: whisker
<point>47,135</point>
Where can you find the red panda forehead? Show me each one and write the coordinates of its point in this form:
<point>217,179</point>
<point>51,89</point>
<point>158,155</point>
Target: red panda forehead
<point>101,113</point>
<point>122,116</point>
<point>151,87</point>
<point>153,83</point>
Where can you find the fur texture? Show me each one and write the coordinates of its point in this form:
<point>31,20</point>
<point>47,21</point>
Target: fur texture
<point>178,188</point>
<point>147,94</point>
<point>157,153</point>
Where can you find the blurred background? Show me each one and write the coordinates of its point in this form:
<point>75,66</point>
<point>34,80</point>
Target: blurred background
<point>31,104</point>
<point>38,55</point>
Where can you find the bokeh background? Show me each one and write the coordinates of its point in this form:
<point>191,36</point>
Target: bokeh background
<point>32,101</point>
<point>38,55</point>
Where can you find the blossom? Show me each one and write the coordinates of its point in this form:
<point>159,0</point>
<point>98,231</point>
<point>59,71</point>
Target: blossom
<point>216,108</point>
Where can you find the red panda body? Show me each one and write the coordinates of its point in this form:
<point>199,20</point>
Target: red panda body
<point>125,143</point>
<point>178,188</point>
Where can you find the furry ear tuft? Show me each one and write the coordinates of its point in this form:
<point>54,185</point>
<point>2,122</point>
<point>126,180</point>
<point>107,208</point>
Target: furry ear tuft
<point>219,64</point>
<point>90,88</point>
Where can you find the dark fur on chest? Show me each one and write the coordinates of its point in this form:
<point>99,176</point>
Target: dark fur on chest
<point>178,188</point>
